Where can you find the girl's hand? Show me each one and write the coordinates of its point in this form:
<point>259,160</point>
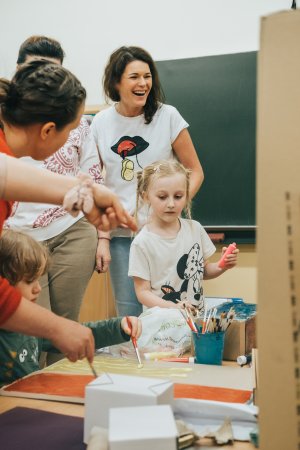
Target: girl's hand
<point>178,305</point>
<point>190,307</point>
<point>103,257</point>
<point>230,260</point>
<point>136,326</point>
<point>182,304</point>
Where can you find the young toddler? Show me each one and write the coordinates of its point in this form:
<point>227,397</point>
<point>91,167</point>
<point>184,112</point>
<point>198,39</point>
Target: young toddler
<point>22,262</point>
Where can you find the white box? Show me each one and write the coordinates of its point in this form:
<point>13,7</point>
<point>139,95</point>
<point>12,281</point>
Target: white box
<point>112,390</point>
<point>142,427</point>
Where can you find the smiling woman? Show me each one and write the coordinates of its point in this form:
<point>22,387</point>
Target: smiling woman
<point>137,130</point>
<point>134,88</point>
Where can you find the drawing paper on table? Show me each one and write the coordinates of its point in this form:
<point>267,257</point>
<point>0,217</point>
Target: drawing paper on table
<point>71,388</point>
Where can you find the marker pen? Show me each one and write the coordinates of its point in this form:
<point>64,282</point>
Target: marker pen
<point>229,250</point>
<point>159,355</point>
<point>182,359</point>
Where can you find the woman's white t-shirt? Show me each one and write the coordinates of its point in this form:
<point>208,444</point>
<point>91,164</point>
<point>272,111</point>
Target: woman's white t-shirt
<point>127,145</point>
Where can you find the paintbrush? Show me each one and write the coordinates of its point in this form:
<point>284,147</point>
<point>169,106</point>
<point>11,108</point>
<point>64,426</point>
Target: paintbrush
<point>93,369</point>
<point>134,342</point>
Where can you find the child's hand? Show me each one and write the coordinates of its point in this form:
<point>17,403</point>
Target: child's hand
<point>178,305</point>
<point>136,326</point>
<point>188,305</point>
<point>231,259</point>
<point>191,308</point>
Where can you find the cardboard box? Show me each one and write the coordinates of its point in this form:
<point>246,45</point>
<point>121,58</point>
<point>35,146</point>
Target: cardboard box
<point>112,390</point>
<point>278,234</point>
<point>142,428</point>
<point>240,339</point>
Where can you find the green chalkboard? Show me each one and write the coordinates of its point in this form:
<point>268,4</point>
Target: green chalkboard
<point>216,95</point>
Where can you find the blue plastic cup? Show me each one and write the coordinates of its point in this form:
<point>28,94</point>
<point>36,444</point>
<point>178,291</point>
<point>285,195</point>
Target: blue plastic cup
<point>209,348</point>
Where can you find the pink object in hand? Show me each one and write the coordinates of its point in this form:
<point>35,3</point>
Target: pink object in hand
<point>228,251</point>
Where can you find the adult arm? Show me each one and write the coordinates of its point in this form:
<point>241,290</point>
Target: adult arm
<point>90,163</point>
<point>27,183</point>
<point>10,299</point>
<point>186,153</point>
<point>71,338</point>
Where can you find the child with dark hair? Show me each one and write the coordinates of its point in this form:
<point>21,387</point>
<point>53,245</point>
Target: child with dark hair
<point>22,261</point>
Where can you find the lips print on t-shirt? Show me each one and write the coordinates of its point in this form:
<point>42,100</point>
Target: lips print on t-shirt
<point>129,146</point>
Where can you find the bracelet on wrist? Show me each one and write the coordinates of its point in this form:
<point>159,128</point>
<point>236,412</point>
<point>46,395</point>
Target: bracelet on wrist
<point>102,237</point>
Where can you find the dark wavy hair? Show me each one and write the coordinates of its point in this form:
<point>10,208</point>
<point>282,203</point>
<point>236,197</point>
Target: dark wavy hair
<point>41,92</point>
<point>41,46</point>
<point>115,68</point>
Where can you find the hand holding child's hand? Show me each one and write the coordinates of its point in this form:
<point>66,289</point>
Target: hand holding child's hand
<point>231,259</point>
<point>136,326</point>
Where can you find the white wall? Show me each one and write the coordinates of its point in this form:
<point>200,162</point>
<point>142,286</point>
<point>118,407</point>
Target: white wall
<point>169,29</point>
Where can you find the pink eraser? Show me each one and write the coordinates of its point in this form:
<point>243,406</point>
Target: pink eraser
<point>229,250</point>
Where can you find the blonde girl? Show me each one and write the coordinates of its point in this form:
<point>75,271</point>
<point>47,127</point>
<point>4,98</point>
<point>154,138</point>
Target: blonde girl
<point>169,257</point>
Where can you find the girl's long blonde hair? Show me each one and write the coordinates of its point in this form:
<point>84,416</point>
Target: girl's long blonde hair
<point>160,169</point>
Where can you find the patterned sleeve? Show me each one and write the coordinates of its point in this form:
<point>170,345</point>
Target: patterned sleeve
<point>2,174</point>
<point>177,123</point>
<point>89,156</point>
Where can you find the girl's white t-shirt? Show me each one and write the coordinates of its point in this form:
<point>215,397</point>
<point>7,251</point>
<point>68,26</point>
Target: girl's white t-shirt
<point>174,266</point>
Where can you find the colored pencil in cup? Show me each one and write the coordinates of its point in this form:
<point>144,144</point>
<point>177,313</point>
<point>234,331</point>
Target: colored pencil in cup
<point>188,319</point>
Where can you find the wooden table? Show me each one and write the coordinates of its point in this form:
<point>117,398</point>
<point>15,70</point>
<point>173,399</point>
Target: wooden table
<point>71,409</point>
<point>229,376</point>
